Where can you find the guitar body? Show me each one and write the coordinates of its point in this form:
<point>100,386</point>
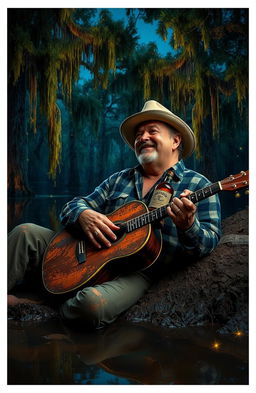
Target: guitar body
<point>62,271</point>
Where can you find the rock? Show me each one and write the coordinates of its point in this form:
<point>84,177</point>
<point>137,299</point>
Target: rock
<point>31,312</point>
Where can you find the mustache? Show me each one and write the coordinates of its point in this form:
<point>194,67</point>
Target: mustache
<point>145,144</point>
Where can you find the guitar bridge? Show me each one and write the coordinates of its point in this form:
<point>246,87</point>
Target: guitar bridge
<point>81,251</point>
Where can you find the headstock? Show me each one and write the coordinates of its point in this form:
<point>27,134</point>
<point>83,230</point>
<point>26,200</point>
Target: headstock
<point>234,182</point>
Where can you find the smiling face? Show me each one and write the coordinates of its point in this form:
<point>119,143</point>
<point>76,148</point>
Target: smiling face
<point>154,141</point>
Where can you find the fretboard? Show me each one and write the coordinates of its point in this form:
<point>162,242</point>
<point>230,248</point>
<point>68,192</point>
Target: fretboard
<point>161,212</point>
<point>205,192</point>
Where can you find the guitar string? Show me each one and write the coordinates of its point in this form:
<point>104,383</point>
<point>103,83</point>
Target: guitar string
<point>142,220</point>
<point>196,196</point>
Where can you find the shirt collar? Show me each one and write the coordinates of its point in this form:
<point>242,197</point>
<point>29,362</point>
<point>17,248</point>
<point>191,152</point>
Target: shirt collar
<point>178,170</point>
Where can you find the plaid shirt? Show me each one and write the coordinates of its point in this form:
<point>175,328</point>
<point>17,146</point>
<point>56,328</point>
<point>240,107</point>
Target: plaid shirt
<point>125,186</point>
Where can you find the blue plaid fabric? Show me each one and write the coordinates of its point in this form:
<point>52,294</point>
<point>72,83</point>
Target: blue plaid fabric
<point>126,186</point>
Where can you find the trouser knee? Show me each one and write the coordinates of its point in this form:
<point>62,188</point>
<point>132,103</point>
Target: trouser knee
<point>26,246</point>
<point>88,306</point>
<point>28,233</point>
<point>21,231</point>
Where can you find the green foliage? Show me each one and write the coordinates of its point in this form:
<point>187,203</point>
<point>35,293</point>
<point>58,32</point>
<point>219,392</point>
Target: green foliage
<point>211,59</point>
<point>86,109</point>
<point>48,46</point>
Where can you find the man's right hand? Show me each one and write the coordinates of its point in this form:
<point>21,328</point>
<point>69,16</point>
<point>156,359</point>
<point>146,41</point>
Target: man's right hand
<point>97,227</point>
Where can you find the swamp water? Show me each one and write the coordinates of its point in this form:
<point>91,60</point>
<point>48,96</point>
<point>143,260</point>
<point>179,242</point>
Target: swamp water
<point>124,354</point>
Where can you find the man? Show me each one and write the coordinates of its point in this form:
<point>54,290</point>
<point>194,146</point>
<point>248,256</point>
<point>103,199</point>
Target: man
<point>160,140</point>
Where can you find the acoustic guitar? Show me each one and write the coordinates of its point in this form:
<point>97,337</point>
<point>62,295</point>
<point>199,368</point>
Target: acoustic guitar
<point>71,262</point>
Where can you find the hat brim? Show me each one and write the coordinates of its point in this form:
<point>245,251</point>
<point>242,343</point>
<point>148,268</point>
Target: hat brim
<point>129,126</point>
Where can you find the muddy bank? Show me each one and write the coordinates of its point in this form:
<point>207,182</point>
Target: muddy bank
<point>213,290</point>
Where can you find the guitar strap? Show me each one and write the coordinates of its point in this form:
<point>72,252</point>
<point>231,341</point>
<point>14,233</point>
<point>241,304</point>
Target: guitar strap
<point>171,175</point>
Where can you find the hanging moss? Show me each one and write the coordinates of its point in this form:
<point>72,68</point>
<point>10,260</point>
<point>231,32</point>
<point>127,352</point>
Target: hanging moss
<point>33,99</point>
<point>86,108</point>
<point>211,50</point>
<point>205,36</point>
<point>198,111</point>
<point>237,74</point>
<point>51,57</point>
<point>54,137</point>
<point>146,84</point>
<point>214,97</point>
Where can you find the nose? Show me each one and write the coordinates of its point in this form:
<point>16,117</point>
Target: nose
<point>143,137</point>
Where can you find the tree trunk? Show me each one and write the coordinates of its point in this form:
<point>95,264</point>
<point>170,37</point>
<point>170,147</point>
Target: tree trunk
<point>17,141</point>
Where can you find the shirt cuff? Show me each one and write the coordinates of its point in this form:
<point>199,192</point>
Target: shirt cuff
<point>73,216</point>
<point>190,237</point>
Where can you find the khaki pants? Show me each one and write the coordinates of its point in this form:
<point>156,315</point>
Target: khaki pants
<point>92,306</point>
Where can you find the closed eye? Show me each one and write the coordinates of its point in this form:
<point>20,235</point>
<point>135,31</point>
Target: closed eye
<point>151,131</point>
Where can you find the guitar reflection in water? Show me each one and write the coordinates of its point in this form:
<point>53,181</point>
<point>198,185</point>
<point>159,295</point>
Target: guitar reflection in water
<point>146,354</point>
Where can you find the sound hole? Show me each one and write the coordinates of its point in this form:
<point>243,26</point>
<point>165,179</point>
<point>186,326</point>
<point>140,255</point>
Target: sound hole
<point>120,234</point>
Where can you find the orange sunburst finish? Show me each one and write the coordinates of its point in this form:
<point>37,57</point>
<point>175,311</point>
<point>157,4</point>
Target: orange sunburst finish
<point>62,273</point>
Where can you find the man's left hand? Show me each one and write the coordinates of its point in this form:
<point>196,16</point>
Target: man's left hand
<point>182,211</point>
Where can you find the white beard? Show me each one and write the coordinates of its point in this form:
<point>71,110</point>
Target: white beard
<point>145,158</point>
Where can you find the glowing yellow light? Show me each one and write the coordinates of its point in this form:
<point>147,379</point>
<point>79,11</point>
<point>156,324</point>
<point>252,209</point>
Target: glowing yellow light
<point>216,345</point>
<point>237,195</point>
<point>239,333</point>
<point>240,148</point>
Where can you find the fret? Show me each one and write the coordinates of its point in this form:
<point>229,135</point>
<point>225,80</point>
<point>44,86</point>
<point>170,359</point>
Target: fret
<point>153,215</point>
<point>133,225</point>
<point>136,222</point>
<point>192,197</point>
<point>163,211</point>
<point>204,192</point>
<point>129,226</point>
<point>142,220</point>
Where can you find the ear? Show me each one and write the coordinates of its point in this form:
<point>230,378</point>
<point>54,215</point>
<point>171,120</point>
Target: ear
<point>176,141</point>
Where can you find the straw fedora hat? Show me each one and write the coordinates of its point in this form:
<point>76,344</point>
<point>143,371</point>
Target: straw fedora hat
<point>153,110</point>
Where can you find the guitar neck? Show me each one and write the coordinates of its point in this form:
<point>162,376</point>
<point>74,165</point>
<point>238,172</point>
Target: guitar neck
<point>161,212</point>
<point>206,192</point>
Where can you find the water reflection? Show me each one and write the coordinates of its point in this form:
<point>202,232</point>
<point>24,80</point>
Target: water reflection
<point>124,353</point>
<point>42,210</point>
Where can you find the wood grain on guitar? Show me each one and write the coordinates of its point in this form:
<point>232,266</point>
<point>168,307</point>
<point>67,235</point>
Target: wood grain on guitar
<point>62,267</point>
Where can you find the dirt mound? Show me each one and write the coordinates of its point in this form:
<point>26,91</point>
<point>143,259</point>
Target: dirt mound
<point>212,290</point>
